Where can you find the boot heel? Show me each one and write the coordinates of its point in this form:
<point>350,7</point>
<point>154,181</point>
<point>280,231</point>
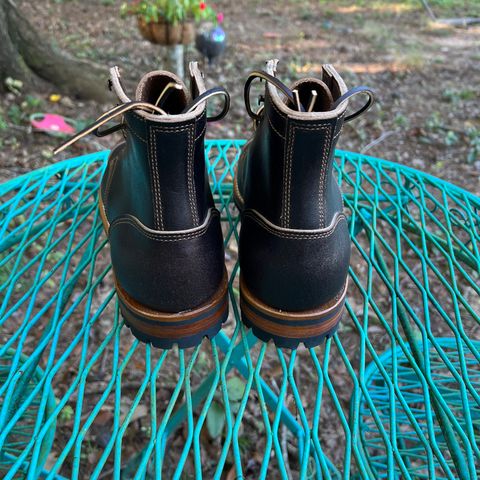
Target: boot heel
<point>187,328</point>
<point>289,329</point>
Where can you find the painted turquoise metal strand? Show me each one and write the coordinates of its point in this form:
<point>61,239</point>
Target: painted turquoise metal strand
<point>394,394</point>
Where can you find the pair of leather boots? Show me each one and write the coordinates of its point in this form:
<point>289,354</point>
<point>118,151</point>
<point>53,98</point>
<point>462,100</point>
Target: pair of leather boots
<point>164,230</point>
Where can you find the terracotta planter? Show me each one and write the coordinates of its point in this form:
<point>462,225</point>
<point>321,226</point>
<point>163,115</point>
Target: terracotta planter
<point>164,33</point>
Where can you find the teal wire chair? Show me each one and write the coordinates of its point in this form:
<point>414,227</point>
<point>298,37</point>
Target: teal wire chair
<point>412,432</point>
<point>24,425</point>
<point>234,405</point>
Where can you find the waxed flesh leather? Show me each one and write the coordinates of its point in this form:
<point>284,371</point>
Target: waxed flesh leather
<point>168,272</point>
<point>293,271</point>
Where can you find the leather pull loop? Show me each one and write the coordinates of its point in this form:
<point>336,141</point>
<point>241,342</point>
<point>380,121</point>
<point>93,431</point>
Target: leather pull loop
<point>270,79</point>
<point>207,95</point>
<point>115,84</point>
<point>356,91</point>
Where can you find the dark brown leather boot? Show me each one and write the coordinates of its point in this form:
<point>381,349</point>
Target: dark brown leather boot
<point>157,209</point>
<point>294,240</point>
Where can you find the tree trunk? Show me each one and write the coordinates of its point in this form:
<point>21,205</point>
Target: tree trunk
<point>24,55</point>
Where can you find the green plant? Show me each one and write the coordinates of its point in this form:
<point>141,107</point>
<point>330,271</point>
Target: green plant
<point>15,114</point>
<point>434,121</point>
<point>172,11</point>
<point>66,414</point>
<point>456,96</point>
<point>451,138</point>
<point>3,121</point>
<point>216,413</point>
<point>14,85</point>
<point>473,135</point>
<point>401,121</point>
<point>31,102</point>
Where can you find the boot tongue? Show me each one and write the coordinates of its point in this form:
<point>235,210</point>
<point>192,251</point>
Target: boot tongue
<point>152,86</point>
<point>323,101</point>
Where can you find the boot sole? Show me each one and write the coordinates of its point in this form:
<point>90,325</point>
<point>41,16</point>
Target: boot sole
<point>186,329</point>
<point>290,329</point>
<point>165,329</point>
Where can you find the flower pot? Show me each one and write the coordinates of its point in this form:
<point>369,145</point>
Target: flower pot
<point>164,33</point>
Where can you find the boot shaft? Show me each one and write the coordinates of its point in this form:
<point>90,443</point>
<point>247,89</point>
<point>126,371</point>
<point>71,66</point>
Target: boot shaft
<point>292,156</point>
<point>169,159</point>
<point>294,240</point>
<point>161,177</point>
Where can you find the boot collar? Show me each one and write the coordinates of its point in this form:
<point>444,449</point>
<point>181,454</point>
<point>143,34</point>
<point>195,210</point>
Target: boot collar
<point>332,80</point>
<point>197,87</point>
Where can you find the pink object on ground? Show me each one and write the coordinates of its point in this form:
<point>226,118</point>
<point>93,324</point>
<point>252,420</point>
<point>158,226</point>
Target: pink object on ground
<point>52,123</point>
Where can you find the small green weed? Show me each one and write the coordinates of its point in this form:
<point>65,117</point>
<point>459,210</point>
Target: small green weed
<point>456,96</point>
<point>401,121</point>
<point>473,135</point>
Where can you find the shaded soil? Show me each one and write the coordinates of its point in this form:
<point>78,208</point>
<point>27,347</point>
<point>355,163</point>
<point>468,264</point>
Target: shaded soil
<point>426,76</point>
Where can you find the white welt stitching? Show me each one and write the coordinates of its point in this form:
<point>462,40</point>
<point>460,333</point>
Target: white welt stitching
<point>293,233</point>
<point>340,118</point>
<point>158,211</point>
<point>166,236</point>
<point>286,177</point>
<point>176,129</point>
<point>192,196</point>
<point>273,128</point>
<point>323,167</point>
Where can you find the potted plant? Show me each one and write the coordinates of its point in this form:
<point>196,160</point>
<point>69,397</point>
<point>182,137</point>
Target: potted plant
<point>168,22</point>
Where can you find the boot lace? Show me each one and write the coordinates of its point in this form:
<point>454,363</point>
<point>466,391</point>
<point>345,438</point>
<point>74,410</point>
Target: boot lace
<point>120,110</point>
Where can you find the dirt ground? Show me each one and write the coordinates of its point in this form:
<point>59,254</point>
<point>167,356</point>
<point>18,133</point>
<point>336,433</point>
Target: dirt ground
<point>426,76</point>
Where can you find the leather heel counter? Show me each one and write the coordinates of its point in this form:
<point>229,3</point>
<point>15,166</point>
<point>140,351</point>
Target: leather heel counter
<point>168,271</point>
<point>294,270</point>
